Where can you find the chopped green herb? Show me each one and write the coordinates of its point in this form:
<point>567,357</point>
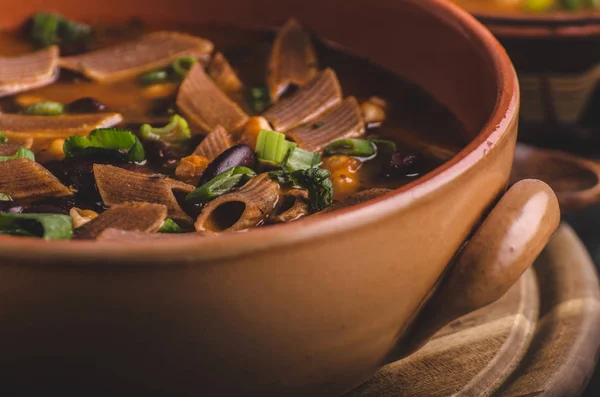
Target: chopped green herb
<point>258,99</point>
<point>300,159</point>
<point>272,147</point>
<point>315,180</point>
<point>155,77</point>
<point>182,66</point>
<point>49,29</point>
<point>176,132</point>
<point>5,197</point>
<point>22,153</point>
<point>169,226</point>
<point>175,72</point>
<point>104,143</point>
<point>47,226</point>
<point>221,184</point>
<point>351,147</point>
<point>44,108</point>
<point>3,138</point>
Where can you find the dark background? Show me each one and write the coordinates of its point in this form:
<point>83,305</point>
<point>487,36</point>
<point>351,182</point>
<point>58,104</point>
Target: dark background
<point>587,224</point>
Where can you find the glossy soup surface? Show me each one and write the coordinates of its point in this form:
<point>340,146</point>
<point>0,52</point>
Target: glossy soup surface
<point>425,132</point>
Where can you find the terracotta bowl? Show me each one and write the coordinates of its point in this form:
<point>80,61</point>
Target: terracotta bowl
<point>311,308</point>
<point>557,57</point>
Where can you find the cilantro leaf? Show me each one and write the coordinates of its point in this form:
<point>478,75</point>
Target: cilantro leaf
<point>315,180</point>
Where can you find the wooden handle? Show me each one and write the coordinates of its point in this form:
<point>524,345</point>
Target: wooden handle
<point>504,246</point>
<point>575,180</point>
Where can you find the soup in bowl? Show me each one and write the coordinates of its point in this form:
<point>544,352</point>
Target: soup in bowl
<point>218,199</point>
<point>203,130</point>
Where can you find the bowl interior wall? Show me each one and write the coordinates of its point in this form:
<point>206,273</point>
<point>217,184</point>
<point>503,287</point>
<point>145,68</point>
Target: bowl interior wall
<point>450,67</point>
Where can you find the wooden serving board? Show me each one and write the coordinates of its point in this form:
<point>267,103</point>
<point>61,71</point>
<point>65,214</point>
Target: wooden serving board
<point>510,348</point>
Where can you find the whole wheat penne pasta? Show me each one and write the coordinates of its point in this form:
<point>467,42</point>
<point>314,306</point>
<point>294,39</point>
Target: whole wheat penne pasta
<point>243,209</point>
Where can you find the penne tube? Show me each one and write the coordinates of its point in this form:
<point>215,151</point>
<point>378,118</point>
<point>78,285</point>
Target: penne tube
<point>243,209</point>
<point>215,143</point>
<point>151,51</point>
<point>223,74</point>
<point>293,205</point>
<point>25,179</point>
<point>344,121</point>
<point>317,96</point>
<point>130,216</point>
<point>205,105</point>
<point>44,129</point>
<point>293,59</point>
<point>117,186</point>
<point>25,72</point>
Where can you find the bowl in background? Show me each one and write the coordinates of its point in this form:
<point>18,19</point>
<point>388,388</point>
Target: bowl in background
<point>307,308</point>
<point>557,58</point>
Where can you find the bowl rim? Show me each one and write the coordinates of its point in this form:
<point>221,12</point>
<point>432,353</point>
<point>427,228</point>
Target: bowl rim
<point>186,249</point>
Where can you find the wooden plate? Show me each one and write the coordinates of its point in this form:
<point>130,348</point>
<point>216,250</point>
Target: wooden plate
<point>505,349</point>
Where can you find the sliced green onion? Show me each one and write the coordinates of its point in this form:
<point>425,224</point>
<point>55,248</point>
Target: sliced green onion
<point>351,147</point>
<point>384,146</point>
<point>47,226</point>
<point>300,159</point>
<point>221,184</point>
<point>44,108</point>
<point>176,132</point>
<point>49,29</point>
<point>272,147</point>
<point>155,77</point>
<point>104,143</point>
<point>258,99</point>
<point>5,197</point>
<point>314,180</point>
<point>22,153</point>
<point>3,138</point>
<point>175,72</point>
<point>170,226</point>
<point>182,66</point>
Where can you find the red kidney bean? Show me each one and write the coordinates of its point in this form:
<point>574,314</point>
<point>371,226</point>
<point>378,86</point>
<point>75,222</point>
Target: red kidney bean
<point>400,165</point>
<point>86,105</point>
<point>159,153</point>
<point>235,156</point>
<point>192,209</point>
<point>78,173</point>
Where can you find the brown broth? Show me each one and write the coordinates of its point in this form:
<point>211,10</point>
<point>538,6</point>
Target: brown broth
<point>415,120</point>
